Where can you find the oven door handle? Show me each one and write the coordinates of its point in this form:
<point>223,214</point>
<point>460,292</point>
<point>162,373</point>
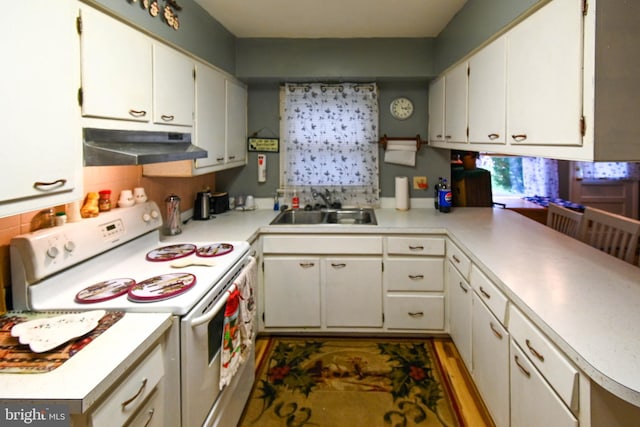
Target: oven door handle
<point>205,318</point>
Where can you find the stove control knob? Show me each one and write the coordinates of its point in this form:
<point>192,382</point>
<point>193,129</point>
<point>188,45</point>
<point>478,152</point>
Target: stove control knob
<point>70,246</point>
<point>53,252</point>
<point>155,214</point>
<point>146,217</point>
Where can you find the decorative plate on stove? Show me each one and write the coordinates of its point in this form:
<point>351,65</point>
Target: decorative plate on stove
<point>161,287</point>
<point>171,252</point>
<point>214,249</point>
<point>104,291</point>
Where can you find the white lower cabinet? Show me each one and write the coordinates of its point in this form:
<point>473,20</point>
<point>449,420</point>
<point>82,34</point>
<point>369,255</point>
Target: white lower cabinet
<point>490,344</point>
<point>533,401</point>
<point>291,291</point>
<point>460,313</point>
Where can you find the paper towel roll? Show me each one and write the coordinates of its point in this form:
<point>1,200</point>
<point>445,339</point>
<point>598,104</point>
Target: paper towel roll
<point>401,152</point>
<point>402,193</point>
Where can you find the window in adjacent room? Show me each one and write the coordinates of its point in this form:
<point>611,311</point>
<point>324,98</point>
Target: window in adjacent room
<point>521,176</point>
<point>329,140</point>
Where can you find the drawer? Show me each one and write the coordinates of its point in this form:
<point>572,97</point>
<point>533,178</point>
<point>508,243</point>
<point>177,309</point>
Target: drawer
<point>128,396</point>
<point>321,244</point>
<point>544,355</point>
<point>495,300</point>
<point>414,311</point>
<point>459,259</point>
<point>151,414</point>
<point>418,245</point>
<point>414,274</point>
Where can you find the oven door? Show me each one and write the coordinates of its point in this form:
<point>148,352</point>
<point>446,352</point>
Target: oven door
<point>200,353</point>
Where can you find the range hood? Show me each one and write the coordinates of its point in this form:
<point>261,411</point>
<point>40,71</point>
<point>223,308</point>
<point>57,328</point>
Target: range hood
<point>108,147</point>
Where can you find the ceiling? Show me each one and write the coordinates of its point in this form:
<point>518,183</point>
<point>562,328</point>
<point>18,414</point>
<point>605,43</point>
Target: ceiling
<point>333,18</point>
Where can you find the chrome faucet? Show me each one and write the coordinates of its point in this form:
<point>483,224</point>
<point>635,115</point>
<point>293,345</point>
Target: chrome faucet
<point>326,197</point>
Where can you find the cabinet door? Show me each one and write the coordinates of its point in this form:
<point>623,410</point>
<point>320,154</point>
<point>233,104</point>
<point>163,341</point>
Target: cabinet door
<point>460,314</point>
<point>116,69</point>
<point>490,343</point>
<point>210,116</point>
<point>38,103</point>
<point>236,122</point>
<point>353,292</point>
<point>455,104</point>
<point>173,87</point>
<point>544,76</point>
<point>487,94</point>
<point>533,401</point>
<point>436,110</point>
<point>291,291</point>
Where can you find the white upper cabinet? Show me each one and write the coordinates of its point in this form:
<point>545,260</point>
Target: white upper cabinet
<point>42,145</point>
<point>209,126</point>
<point>487,94</point>
<point>173,87</point>
<point>236,140</point>
<point>455,104</point>
<point>544,76</point>
<point>116,69</point>
<point>436,110</point>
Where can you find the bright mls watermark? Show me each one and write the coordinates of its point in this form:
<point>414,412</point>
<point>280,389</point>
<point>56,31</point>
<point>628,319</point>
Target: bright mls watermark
<point>32,414</point>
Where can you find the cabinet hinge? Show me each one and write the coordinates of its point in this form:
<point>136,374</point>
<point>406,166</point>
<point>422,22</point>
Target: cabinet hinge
<point>263,316</point>
<point>585,7</point>
<point>383,318</point>
<point>80,98</point>
<point>468,70</point>
<point>467,132</point>
<point>382,264</point>
<point>194,74</point>
<point>79,24</point>
<point>583,126</point>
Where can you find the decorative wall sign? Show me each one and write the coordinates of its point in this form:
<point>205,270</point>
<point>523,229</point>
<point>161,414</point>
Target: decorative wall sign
<point>169,10</point>
<point>270,145</point>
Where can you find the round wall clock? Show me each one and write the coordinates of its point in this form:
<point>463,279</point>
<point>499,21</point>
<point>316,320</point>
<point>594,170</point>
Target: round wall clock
<point>401,108</point>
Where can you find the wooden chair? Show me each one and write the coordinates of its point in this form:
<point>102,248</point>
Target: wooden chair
<point>614,234</point>
<point>564,220</point>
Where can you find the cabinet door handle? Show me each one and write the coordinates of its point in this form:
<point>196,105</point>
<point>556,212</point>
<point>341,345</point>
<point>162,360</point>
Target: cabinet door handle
<point>484,293</point>
<point>307,264</point>
<point>232,157</point>
<point>416,248</point>
<point>439,135</point>
<point>338,265</point>
<point>447,137</point>
<point>137,113</point>
<point>534,351</point>
<point>496,332</point>
<point>135,396</point>
<point>519,137</point>
<point>39,185</point>
<point>455,258</point>
<point>167,117</point>
<point>219,159</point>
<point>416,276</point>
<point>493,136</point>
<point>149,417</point>
<point>416,314</point>
<point>463,288</point>
<point>522,368</point>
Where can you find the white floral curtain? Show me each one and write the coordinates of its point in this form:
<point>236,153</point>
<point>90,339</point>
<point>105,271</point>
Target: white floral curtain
<point>608,170</point>
<point>540,177</point>
<point>329,141</point>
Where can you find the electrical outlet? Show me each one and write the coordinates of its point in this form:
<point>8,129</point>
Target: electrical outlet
<point>420,183</point>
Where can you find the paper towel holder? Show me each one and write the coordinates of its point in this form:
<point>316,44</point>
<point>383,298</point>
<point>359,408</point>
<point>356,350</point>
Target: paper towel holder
<point>385,139</point>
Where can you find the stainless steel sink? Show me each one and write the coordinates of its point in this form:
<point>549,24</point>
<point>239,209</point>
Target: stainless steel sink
<point>356,216</point>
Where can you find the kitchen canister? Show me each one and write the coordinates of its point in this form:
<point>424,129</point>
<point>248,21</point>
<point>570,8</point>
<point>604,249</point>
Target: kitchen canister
<point>402,193</point>
<point>172,224</point>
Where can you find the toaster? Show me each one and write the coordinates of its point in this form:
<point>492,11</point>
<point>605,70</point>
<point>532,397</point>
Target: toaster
<point>219,203</point>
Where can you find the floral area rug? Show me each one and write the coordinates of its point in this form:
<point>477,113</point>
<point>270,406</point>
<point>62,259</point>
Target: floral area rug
<point>349,382</point>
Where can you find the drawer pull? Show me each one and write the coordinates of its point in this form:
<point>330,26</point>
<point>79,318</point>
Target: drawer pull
<point>463,288</point>
<point>167,117</point>
<point>534,351</point>
<point>496,332</point>
<point>455,258</point>
<point>416,248</point>
<point>522,368</point>
<point>416,276</point>
<point>149,417</point>
<point>519,137</point>
<point>307,264</point>
<point>484,293</point>
<point>338,265</point>
<point>135,396</point>
<point>416,313</point>
<point>137,113</point>
<point>493,136</point>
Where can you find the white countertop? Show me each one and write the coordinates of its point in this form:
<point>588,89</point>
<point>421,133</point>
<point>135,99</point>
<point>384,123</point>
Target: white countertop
<point>587,302</point>
<point>82,379</point>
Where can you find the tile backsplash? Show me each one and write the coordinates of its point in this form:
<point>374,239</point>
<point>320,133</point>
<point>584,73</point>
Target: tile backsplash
<point>96,178</point>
